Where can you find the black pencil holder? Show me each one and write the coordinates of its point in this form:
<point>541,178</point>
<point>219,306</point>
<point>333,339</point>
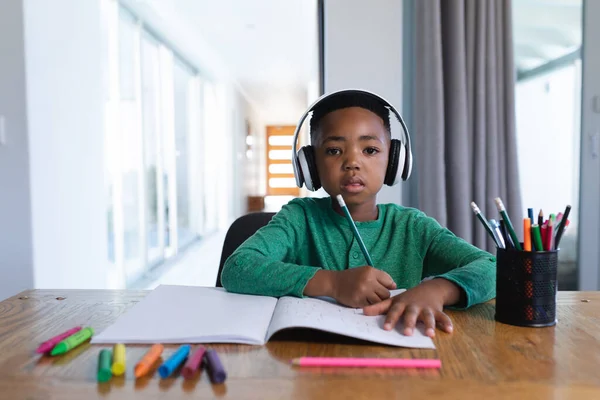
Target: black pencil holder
<point>526,287</point>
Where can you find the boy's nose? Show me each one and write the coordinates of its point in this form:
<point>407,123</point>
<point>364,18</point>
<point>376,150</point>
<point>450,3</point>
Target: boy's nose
<point>351,163</point>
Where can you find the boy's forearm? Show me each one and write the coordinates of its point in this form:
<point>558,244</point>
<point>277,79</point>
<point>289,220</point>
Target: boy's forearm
<point>451,292</point>
<point>321,284</point>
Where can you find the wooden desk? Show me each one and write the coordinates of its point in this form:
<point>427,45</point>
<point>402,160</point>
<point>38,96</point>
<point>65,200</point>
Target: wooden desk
<point>482,359</point>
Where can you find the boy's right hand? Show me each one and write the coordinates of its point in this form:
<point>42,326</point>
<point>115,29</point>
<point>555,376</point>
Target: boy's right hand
<point>362,286</point>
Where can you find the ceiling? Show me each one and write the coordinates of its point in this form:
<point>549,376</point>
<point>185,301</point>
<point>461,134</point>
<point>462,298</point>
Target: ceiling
<point>545,30</point>
<point>270,47</point>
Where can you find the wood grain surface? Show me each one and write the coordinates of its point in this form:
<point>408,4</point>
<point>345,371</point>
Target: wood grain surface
<point>482,359</point>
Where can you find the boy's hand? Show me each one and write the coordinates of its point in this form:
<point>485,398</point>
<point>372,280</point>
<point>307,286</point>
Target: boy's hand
<point>361,286</point>
<point>424,303</point>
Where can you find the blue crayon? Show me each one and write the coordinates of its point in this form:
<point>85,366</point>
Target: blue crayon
<point>167,368</point>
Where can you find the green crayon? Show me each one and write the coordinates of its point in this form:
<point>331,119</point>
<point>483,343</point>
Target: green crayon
<point>104,365</point>
<point>72,341</point>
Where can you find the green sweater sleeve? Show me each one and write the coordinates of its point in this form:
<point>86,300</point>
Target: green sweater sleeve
<point>450,257</point>
<point>261,265</point>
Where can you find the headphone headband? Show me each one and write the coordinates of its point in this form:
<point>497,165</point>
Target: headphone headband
<point>387,104</point>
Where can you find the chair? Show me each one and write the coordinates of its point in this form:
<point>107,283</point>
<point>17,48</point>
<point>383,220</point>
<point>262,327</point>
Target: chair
<point>241,229</point>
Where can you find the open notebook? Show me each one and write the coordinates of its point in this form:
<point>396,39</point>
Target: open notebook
<point>191,314</point>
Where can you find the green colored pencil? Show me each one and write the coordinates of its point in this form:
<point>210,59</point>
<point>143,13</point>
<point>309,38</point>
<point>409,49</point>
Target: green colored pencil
<point>537,237</point>
<point>484,222</point>
<point>509,226</point>
<point>340,200</point>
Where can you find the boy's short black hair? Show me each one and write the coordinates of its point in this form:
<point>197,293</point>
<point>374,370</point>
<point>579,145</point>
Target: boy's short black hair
<point>345,100</point>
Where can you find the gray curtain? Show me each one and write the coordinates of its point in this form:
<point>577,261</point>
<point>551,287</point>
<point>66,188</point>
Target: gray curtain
<point>464,127</point>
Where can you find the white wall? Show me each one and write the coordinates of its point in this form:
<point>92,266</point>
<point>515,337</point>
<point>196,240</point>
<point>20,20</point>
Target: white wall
<point>65,113</point>
<point>589,226</point>
<point>16,269</point>
<point>363,49</point>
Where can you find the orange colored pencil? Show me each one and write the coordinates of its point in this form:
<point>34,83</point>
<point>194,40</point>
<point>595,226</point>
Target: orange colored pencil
<point>142,367</point>
<point>526,234</point>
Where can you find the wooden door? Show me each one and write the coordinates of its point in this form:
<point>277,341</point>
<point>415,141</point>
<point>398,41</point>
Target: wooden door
<point>280,174</point>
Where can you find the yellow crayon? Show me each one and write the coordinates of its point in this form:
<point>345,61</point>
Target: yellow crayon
<point>118,366</point>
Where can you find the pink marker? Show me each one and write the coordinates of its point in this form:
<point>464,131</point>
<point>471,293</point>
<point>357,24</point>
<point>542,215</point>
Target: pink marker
<point>366,362</point>
<point>49,344</point>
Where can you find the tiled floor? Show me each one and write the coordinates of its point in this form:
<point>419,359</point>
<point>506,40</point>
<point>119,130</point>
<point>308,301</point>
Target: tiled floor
<point>197,266</point>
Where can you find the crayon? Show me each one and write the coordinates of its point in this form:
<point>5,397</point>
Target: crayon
<point>216,372</point>
<point>48,345</point>
<point>193,363</point>
<point>144,365</point>
<point>169,366</point>
<point>72,341</point>
<point>118,365</point>
<point>104,362</point>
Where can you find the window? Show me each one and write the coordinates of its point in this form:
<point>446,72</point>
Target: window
<point>153,149</point>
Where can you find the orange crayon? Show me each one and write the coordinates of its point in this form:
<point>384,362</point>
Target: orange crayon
<point>142,367</point>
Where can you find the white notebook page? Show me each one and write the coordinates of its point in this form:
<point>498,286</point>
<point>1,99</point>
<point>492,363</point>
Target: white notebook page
<point>326,315</point>
<point>180,314</point>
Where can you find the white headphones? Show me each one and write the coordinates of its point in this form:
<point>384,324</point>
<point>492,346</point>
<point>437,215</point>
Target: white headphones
<point>304,164</point>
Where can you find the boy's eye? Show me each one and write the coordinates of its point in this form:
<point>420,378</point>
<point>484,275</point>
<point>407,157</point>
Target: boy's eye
<point>332,151</point>
<point>371,151</point>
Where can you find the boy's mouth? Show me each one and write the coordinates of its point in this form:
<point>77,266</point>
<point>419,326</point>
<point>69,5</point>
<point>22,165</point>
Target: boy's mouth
<point>353,185</point>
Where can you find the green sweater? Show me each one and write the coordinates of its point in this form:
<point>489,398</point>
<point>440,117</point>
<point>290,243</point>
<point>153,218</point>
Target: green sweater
<point>306,235</point>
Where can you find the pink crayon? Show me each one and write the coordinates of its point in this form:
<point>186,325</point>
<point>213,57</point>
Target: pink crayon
<point>49,344</point>
<point>366,362</point>
<point>193,363</point>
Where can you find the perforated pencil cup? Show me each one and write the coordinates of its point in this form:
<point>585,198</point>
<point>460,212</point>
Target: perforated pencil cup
<point>526,287</point>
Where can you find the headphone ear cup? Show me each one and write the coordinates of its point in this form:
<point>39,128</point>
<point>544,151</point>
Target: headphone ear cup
<point>308,168</point>
<point>312,166</point>
<point>407,164</point>
<point>393,162</point>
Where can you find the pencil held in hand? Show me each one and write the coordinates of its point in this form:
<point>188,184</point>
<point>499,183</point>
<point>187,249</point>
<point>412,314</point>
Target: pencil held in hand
<point>361,244</point>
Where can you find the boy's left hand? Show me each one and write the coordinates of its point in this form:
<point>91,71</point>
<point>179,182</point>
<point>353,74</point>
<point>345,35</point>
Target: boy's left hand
<point>425,302</point>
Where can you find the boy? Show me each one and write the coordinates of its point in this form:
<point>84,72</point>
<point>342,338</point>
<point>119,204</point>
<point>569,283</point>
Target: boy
<point>308,249</point>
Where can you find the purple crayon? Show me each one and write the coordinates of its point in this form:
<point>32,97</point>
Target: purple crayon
<point>216,372</point>
<point>48,345</point>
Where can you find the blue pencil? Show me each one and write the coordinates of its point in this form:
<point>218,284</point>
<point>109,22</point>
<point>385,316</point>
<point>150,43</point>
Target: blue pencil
<point>340,200</point>
<point>530,215</point>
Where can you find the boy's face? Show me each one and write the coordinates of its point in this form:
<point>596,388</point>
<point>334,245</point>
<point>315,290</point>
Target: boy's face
<point>352,154</point>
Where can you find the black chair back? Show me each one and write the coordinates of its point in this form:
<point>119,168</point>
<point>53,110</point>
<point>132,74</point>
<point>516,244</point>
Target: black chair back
<point>241,229</point>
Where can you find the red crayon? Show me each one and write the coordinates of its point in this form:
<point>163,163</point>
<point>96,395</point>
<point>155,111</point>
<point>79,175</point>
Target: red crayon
<point>49,344</point>
<point>193,363</point>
